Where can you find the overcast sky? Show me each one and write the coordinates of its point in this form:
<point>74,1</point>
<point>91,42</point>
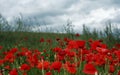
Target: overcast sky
<point>93,13</point>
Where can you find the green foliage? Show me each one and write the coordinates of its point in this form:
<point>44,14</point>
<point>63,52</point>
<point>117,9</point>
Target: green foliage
<point>8,34</point>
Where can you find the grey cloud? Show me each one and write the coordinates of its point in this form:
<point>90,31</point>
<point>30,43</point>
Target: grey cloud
<point>56,12</point>
<point>116,19</point>
<point>70,3</point>
<point>116,2</point>
<point>90,5</point>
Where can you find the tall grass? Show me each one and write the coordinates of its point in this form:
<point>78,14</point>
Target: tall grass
<point>110,34</point>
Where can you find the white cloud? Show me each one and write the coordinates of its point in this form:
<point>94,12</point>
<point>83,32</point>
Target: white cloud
<point>95,17</point>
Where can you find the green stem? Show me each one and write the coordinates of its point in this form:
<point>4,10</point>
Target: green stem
<point>42,68</point>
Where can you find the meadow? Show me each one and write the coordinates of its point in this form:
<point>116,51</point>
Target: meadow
<point>37,53</point>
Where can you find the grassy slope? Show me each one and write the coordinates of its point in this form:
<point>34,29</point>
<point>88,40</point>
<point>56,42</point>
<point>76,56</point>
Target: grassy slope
<point>31,39</point>
<point>26,39</point>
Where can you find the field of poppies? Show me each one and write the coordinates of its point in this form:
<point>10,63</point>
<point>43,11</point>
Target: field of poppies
<point>53,54</point>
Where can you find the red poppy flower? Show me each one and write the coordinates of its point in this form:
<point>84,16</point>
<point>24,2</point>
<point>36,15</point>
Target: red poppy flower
<point>102,50</point>
<point>56,65</point>
<point>71,54</point>
<point>77,34</point>
<point>57,49</point>
<point>49,41</point>
<point>13,50</point>
<point>99,59</point>
<point>72,44</point>
<point>60,58</point>
<point>1,62</point>
<point>28,53</point>
<point>80,43</point>
<point>117,45</point>
<point>89,69</point>
<point>32,60</point>
<point>94,45</point>
<point>43,65</point>
<point>117,53</point>
<point>21,54</point>
<point>42,40</point>
<point>48,73</point>
<point>7,67</point>
<point>71,68</point>
<point>24,49</point>
<point>25,67</point>
<point>66,39</point>
<point>13,72</point>
<point>37,52</point>
<point>89,57</point>
<point>9,57</point>
<point>57,39</point>
<point>61,43</point>
<point>112,68</point>
<point>62,53</point>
